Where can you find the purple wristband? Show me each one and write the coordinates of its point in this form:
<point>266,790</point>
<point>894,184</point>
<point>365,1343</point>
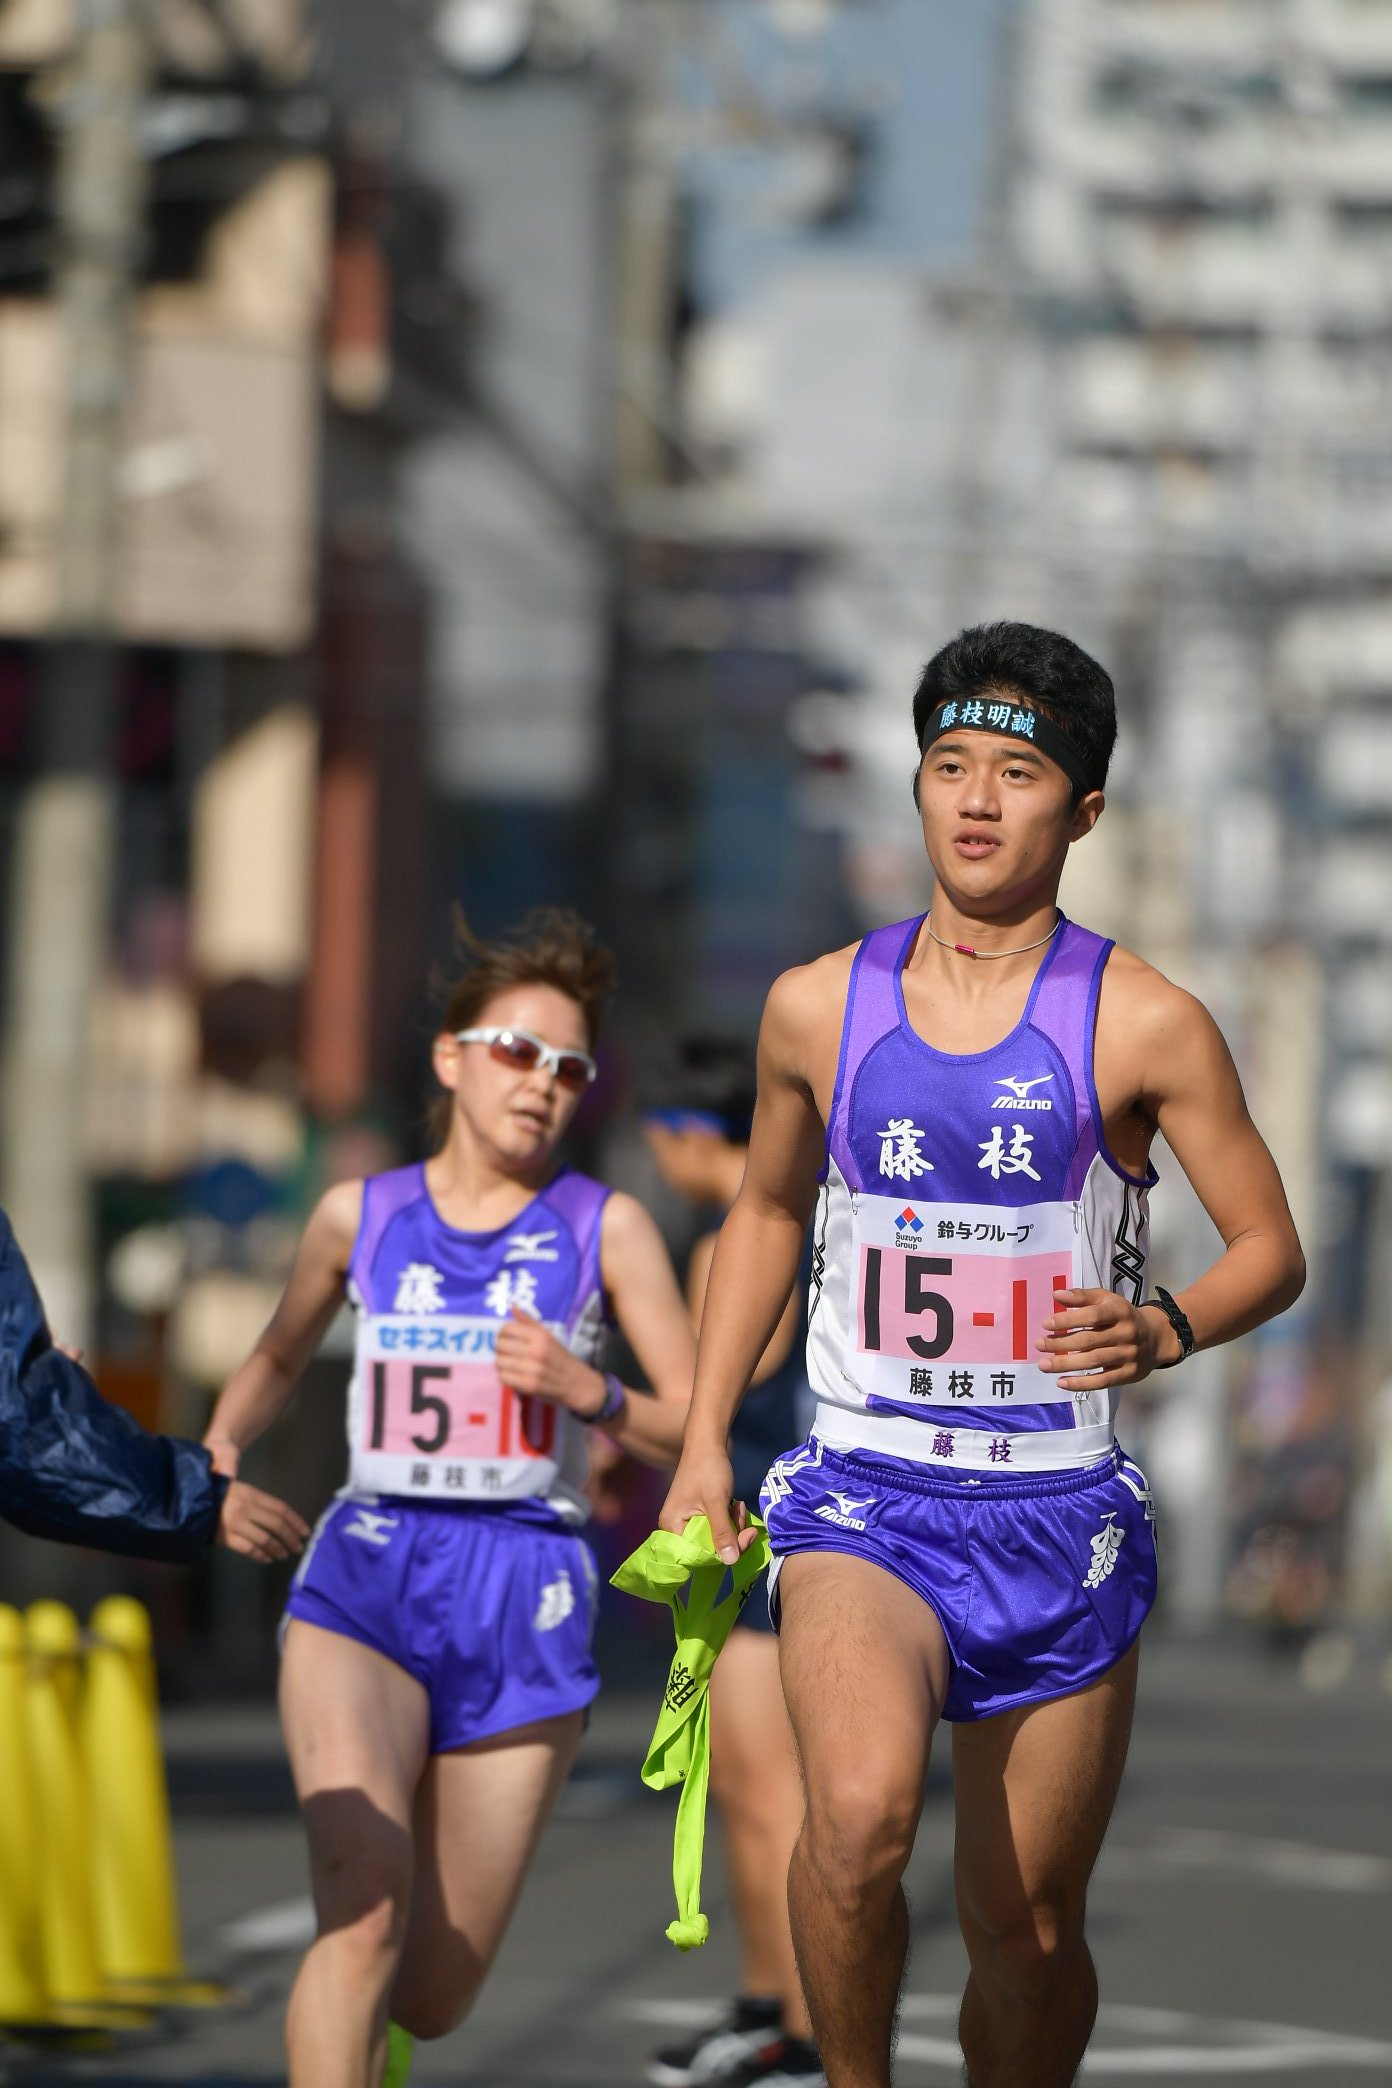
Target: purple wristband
<point>614,1397</point>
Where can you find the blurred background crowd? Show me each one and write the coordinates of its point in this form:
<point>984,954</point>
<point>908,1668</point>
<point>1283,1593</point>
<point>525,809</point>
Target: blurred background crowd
<point>516,451</point>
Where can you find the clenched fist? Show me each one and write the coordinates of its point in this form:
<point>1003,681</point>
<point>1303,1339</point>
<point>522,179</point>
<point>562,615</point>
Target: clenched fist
<point>531,1360</point>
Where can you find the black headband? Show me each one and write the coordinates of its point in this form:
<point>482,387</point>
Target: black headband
<point>1011,721</point>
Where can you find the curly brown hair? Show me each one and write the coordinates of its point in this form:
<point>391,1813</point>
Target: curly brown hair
<point>552,946</point>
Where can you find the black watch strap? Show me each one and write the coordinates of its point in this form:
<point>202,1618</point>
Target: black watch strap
<point>1166,1304</point>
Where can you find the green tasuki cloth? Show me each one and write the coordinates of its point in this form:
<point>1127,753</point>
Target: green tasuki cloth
<point>400,2046</point>
<point>687,1573</point>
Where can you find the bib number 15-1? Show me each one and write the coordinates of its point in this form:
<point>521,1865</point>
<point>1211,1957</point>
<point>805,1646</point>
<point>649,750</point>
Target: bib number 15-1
<point>957,1308</point>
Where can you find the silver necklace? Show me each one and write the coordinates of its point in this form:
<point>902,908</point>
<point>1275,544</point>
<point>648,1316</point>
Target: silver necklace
<point>966,950</point>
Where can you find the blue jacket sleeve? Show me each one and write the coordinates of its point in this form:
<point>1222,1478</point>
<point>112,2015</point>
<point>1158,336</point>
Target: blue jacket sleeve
<point>73,1466</point>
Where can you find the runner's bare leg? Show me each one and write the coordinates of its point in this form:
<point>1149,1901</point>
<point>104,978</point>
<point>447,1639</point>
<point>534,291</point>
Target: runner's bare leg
<point>757,1786</point>
<point>480,1812</point>
<point>358,1731</point>
<point>1035,1790</point>
<point>864,1667</point>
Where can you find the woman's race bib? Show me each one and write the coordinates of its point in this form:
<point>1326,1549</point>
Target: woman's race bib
<point>428,1413</point>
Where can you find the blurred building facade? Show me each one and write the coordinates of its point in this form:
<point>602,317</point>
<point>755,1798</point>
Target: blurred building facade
<point>1202,225</point>
<point>212,762</point>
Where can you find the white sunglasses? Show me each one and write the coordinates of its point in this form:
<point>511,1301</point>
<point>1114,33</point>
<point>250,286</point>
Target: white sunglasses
<point>522,1051</point>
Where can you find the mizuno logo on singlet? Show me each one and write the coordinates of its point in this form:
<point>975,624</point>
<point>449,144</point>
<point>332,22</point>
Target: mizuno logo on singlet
<point>537,1247</point>
<point>1020,1096</point>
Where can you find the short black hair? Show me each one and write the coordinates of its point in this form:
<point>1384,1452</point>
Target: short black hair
<point>1038,667</point>
<point>714,1075</point>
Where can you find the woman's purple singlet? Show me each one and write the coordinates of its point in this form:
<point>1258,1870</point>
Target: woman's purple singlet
<point>428,1417</point>
<point>961,1191</point>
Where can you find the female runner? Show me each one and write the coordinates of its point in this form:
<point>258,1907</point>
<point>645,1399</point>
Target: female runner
<point>437,1662</point>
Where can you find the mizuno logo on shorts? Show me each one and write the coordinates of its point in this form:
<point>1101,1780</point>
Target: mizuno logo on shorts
<point>1141,1490</point>
<point>371,1527</point>
<point>844,1513</point>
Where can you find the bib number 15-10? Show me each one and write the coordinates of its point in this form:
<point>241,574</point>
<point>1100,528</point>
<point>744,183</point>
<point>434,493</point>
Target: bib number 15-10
<point>456,1409</point>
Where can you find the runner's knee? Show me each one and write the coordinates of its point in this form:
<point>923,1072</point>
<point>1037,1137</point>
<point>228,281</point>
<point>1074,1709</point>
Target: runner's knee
<point>363,1903</point>
<point>370,1935</point>
<point>440,1978</point>
<point>433,2015</point>
<point>730,1774</point>
<point>860,1829</point>
<point>1024,1953</point>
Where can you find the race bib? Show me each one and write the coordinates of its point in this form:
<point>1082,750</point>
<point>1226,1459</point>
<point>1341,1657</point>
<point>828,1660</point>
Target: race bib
<point>452,1410</point>
<point>430,1413</point>
<point>950,1301</point>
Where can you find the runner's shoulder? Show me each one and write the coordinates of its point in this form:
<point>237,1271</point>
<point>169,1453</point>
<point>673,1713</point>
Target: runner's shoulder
<point>624,1219</point>
<point>628,1241</point>
<point>336,1218</point>
<point>1147,1006</point>
<point>813,992</point>
<point>803,1016</point>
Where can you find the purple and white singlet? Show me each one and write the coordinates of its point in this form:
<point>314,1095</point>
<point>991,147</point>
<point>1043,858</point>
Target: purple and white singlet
<point>961,1191</point>
<point>428,1416</point>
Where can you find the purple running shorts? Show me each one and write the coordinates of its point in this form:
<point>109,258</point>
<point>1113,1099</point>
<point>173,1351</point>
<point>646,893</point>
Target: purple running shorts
<point>492,1614</point>
<point>1040,1582</point>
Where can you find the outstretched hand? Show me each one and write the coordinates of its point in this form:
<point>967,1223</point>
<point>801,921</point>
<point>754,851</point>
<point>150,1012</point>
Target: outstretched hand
<point>703,1485</point>
<point>259,1526</point>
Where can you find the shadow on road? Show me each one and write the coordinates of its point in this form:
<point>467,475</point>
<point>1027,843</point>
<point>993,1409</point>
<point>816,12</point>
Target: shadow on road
<point>69,2076</point>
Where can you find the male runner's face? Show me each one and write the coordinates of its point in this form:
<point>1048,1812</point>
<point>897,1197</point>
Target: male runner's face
<point>519,1116</point>
<point>998,817</point>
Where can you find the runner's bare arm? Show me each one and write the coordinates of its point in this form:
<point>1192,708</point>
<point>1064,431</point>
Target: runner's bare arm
<point>1187,1087</point>
<point>643,1294</point>
<point>760,1244</point>
<point>257,1392</point>
<point>784,1334</point>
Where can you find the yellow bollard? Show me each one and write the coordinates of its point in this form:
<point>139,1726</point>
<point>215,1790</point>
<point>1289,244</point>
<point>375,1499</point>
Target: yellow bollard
<point>23,1997</point>
<point>133,1883</point>
<point>133,1886</point>
<point>71,1963</point>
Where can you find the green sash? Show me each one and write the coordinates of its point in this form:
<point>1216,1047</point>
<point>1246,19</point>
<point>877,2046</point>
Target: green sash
<point>659,1571</point>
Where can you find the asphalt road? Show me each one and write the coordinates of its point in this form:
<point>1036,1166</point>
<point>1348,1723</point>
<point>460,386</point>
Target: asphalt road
<point>1241,1913</point>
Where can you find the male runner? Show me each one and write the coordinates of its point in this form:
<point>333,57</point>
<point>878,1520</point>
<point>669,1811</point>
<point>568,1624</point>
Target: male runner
<point>961,1537</point>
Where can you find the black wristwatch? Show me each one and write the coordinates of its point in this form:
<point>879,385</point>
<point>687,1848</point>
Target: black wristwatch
<point>1163,1302</point>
